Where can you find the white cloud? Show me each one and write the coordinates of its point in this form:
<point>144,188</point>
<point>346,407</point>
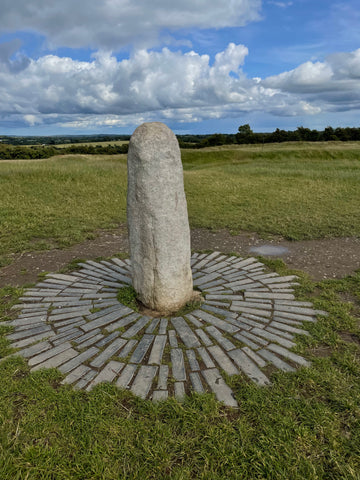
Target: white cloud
<point>281,4</point>
<point>112,24</point>
<point>170,86</point>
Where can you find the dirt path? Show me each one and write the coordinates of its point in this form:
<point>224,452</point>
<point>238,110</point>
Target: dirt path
<point>326,258</point>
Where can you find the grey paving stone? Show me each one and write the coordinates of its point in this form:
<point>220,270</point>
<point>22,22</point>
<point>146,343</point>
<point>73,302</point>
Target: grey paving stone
<point>295,309</point>
<point>271,295</point>
<point>159,395</point>
<point>86,336</point>
<point>119,262</point>
<point>90,341</point>
<point>61,276</point>
<point>225,298</point>
<point>20,328</point>
<point>191,356</point>
<point>287,335</point>
<point>107,319</point>
<point>249,367</point>
<point>223,360</point>
<point>127,349</point>
<point>294,316</point>
<point>57,281</point>
<point>203,337</point>
<point>110,351</point>
<point>30,340</point>
<point>243,285</point>
<point>288,328</point>
<point>107,339</point>
<point>126,375</point>
<point>172,339</point>
<point>216,283</point>
<point>124,322</point>
<point>287,321</point>
<point>286,279</point>
<point>262,321</point>
<point>69,322</point>
<point>107,374</point>
<point>143,381</point>
<point>193,320</point>
<point>115,268</point>
<point>273,338</point>
<point>178,365</point>
<point>76,374</point>
<point>290,355</point>
<point>294,303</point>
<point>246,341</point>
<point>75,323</point>
<point>205,357</point>
<point>179,391</point>
<point>196,382</point>
<point>34,350</point>
<point>205,279</point>
<point>282,287</point>
<point>163,377</point>
<point>187,336</point>
<point>86,379</point>
<point>253,266</point>
<point>224,342</point>
<point>57,360</point>
<point>244,262</point>
<point>28,307</point>
<point>222,324</point>
<point>157,350</point>
<point>254,311</point>
<point>250,353</point>
<point>139,325</point>
<point>217,384</point>
<point>276,361</point>
<point>255,338</point>
<point>142,348</point>
<point>67,336</point>
<point>30,332</point>
<point>256,305</point>
<point>163,326</point>
<point>219,311</point>
<point>153,325</point>
<point>80,358</point>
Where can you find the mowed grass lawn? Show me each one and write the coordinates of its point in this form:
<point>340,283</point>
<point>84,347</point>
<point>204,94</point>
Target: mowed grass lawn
<point>305,426</point>
<point>295,190</point>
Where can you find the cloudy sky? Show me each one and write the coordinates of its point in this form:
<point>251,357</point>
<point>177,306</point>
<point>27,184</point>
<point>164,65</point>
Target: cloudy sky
<point>200,66</point>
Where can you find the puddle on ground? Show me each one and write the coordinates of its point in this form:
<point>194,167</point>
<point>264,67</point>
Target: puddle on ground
<point>269,250</point>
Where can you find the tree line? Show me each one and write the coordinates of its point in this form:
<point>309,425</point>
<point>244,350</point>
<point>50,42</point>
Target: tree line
<point>11,152</point>
<point>13,147</point>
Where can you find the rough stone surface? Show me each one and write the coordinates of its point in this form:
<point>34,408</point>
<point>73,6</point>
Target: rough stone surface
<point>168,356</point>
<point>159,233</point>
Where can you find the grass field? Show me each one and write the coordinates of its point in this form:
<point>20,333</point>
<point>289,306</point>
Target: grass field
<point>295,190</point>
<point>306,426</point>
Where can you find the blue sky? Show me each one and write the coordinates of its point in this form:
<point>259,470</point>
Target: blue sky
<point>200,66</point>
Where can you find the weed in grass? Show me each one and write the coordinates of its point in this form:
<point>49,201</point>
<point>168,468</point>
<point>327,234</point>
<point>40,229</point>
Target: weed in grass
<point>128,297</point>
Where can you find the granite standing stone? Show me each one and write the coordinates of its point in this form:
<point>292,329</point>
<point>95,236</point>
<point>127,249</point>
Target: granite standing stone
<point>159,232</point>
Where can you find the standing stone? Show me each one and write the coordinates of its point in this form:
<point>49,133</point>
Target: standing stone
<point>159,233</point>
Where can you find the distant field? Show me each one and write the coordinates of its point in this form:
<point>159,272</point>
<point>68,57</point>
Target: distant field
<point>295,190</point>
<point>102,144</point>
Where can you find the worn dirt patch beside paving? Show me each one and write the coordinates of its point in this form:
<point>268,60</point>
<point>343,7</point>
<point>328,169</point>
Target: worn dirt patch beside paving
<point>324,258</point>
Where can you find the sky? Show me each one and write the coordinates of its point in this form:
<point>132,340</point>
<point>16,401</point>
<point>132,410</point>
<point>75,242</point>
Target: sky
<point>200,66</point>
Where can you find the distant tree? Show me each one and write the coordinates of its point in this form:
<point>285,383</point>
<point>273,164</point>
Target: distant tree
<point>245,134</point>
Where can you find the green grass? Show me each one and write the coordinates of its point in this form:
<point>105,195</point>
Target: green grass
<point>305,426</point>
<point>296,190</point>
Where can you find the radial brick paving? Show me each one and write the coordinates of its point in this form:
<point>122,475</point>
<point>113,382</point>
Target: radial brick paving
<point>248,320</point>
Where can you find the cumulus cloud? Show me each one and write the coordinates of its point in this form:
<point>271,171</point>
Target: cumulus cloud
<point>112,24</point>
<point>170,86</point>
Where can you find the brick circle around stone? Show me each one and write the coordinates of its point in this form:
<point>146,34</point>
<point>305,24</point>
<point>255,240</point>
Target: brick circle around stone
<point>247,325</point>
